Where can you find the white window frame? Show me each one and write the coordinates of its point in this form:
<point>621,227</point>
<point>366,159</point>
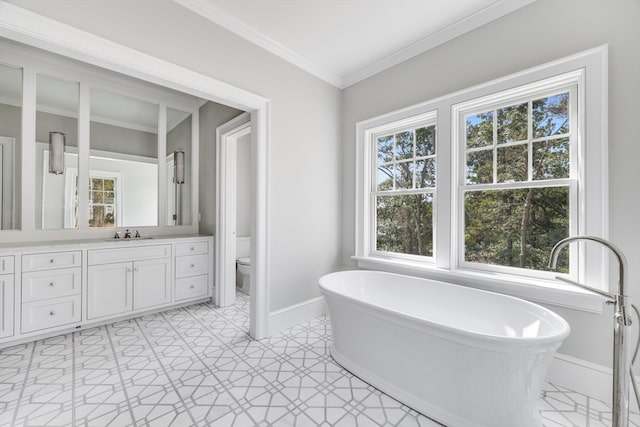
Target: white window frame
<point>421,120</point>
<point>588,70</point>
<point>571,82</point>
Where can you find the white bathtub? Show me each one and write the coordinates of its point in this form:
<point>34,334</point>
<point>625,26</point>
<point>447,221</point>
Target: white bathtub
<point>461,356</point>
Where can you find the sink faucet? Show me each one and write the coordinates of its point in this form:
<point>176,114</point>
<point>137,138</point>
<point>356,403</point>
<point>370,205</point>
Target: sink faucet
<point>621,323</point>
<point>127,234</point>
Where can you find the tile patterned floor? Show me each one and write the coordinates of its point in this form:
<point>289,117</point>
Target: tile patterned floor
<point>196,366</point>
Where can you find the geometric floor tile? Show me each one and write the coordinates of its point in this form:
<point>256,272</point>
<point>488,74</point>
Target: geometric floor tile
<point>197,366</point>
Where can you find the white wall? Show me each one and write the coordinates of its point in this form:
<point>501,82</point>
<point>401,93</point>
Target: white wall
<point>543,31</point>
<point>243,186</point>
<point>212,115</point>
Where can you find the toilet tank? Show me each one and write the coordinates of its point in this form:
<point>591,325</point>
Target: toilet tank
<point>243,246</point>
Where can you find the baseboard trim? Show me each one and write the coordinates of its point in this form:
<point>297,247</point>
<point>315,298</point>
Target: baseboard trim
<point>292,315</point>
<point>585,377</point>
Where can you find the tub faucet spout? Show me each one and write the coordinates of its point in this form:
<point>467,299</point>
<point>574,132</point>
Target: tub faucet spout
<point>621,323</point>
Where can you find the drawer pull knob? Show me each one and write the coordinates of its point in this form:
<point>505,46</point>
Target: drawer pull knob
<point>52,284</point>
<point>192,248</point>
<point>193,265</point>
<point>52,313</point>
<point>51,261</point>
<point>192,286</point>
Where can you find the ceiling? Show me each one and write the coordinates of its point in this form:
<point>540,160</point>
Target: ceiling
<point>345,41</point>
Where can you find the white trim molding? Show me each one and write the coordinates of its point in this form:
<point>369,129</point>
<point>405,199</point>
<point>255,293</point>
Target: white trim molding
<point>41,32</point>
<point>209,11</point>
<point>588,378</point>
<point>296,314</point>
<point>468,24</point>
<point>496,10</point>
<point>226,137</point>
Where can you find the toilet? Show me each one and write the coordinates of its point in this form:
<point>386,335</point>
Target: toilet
<point>243,274</point>
<point>243,264</point>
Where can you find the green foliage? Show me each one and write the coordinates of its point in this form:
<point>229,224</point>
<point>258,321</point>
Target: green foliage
<point>405,224</point>
<point>508,227</point>
<point>517,227</point>
<point>494,224</point>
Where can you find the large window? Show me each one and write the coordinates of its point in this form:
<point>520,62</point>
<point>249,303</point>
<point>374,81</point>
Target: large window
<point>521,164</point>
<point>404,188</point>
<point>518,176</point>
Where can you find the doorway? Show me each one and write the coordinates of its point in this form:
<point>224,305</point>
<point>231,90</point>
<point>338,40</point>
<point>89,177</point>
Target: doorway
<point>228,136</point>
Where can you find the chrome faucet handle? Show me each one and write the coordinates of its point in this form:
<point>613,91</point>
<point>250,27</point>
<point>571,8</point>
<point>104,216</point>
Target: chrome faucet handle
<point>138,234</point>
<point>117,236</point>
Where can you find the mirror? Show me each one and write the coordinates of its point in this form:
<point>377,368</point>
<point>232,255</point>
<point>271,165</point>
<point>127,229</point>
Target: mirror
<point>10,146</point>
<point>123,161</point>
<point>56,204</point>
<point>179,179</point>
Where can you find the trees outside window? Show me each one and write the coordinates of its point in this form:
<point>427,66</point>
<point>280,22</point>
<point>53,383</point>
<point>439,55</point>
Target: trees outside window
<point>403,191</point>
<point>516,189</point>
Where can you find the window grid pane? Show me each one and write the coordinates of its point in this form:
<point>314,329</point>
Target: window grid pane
<point>102,202</point>
<point>516,227</point>
<point>405,179</point>
<point>504,224</point>
<point>534,124</point>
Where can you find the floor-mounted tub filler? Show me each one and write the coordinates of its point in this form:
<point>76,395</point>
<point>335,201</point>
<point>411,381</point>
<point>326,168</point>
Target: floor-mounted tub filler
<point>462,356</point>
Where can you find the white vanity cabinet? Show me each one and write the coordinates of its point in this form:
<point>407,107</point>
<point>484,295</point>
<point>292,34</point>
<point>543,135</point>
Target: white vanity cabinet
<point>6,296</point>
<point>127,279</point>
<point>51,288</point>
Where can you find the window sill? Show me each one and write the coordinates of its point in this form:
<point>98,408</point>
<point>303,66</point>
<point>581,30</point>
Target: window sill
<point>535,290</point>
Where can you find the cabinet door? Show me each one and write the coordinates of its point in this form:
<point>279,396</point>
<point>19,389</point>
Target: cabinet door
<point>152,283</point>
<point>6,305</point>
<point>109,289</point>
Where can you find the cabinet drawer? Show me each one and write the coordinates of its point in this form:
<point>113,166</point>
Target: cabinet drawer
<point>192,248</point>
<point>47,261</point>
<point>191,287</point>
<point>47,284</point>
<point>130,253</point>
<point>6,264</point>
<point>49,314</point>
<point>193,265</point>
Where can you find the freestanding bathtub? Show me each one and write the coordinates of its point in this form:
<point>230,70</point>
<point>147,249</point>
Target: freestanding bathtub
<point>461,356</point>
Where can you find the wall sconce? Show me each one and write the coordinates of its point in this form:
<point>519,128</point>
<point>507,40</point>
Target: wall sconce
<point>178,167</point>
<point>178,178</point>
<point>56,152</point>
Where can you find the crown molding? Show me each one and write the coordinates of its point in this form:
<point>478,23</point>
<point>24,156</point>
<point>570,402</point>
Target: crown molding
<point>465,25</point>
<point>207,10</point>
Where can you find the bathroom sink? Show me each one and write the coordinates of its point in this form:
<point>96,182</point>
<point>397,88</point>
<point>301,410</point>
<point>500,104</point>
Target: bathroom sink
<point>132,239</point>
